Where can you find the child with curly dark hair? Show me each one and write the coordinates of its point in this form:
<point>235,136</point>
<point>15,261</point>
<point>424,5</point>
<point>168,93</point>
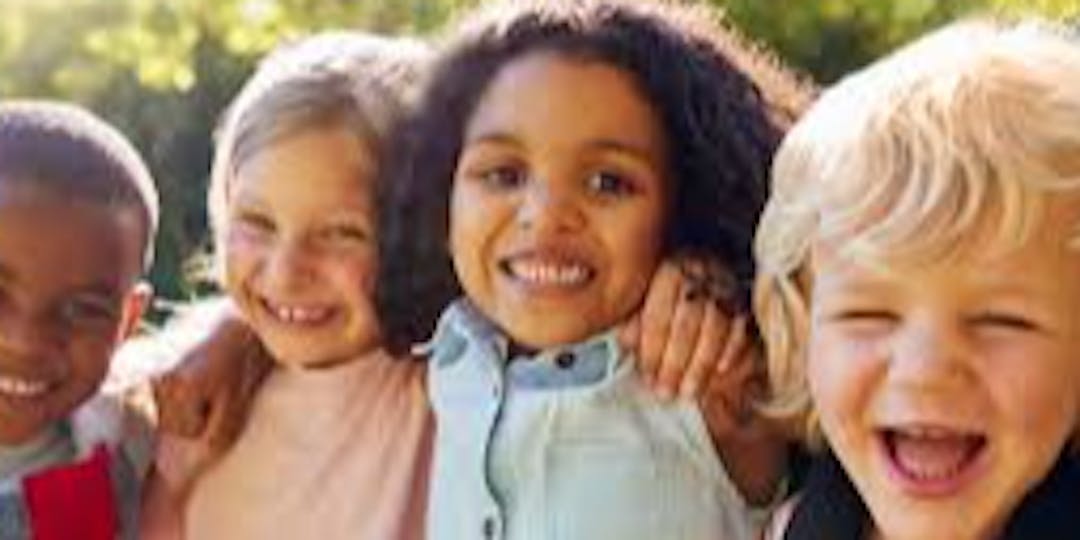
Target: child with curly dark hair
<point>562,151</point>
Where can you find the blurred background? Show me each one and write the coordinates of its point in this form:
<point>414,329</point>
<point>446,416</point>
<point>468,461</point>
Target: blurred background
<point>163,70</point>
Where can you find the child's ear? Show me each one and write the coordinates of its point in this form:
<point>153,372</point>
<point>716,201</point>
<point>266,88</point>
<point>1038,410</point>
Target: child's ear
<point>136,302</point>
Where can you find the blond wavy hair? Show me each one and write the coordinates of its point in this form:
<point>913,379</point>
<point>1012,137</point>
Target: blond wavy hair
<point>971,128</point>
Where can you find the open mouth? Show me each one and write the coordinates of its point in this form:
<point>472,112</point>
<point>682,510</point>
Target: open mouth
<point>542,272</point>
<point>296,315</point>
<point>933,460</point>
<point>21,388</point>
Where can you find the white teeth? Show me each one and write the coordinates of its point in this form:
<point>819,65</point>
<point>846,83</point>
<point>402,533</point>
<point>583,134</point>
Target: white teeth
<point>299,315</point>
<point>931,454</point>
<point>22,388</point>
<point>926,432</point>
<point>550,274</point>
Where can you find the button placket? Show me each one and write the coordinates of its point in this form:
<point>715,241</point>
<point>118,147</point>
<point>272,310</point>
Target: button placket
<point>565,360</point>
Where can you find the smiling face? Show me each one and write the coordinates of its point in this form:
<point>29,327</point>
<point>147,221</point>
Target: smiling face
<point>300,247</point>
<point>948,389</point>
<point>557,206</point>
<point>68,293</point>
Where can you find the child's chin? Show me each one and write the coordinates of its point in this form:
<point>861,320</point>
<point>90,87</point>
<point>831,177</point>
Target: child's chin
<point>922,519</point>
<point>15,434</point>
<point>542,337</point>
<point>305,357</point>
<point>924,527</point>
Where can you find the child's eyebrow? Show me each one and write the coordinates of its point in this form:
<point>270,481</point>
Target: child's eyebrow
<point>493,137</point>
<point>97,292</point>
<point>247,200</point>
<point>103,292</point>
<point>638,151</point>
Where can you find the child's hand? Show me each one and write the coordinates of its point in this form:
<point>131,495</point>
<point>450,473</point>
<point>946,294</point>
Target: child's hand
<point>684,337</point>
<point>752,447</point>
<point>687,341</point>
<point>209,394</point>
<point>727,400</point>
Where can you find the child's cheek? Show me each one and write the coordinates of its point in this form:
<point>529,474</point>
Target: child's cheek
<point>837,367</point>
<point>361,268</point>
<point>244,248</point>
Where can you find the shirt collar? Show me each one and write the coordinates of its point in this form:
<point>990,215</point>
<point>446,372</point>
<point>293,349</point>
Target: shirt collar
<point>577,364</point>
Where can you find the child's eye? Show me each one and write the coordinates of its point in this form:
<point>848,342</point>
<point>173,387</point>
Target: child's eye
<point>503,177</point>
<point>863,314</point>
<point>1001,321</point>
<point>611,183</point>
<point>864,319</point>
<point>88,309</point>
<point>346,233</point>
<point>255,222</point>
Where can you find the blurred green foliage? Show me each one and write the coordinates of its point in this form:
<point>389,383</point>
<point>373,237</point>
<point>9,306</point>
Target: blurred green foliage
<point>162,70</point>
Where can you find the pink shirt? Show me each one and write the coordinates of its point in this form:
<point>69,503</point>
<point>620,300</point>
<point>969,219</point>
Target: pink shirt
<point>335,453</point>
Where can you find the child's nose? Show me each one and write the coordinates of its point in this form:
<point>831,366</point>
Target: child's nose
<point>288,266</point>
<point>929,353</point>
<point>549,209</point>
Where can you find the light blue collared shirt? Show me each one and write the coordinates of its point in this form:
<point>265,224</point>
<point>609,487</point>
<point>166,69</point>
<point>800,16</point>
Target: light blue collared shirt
<point>567,444</point>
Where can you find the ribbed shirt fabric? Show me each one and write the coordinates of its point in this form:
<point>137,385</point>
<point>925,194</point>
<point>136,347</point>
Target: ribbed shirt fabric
<point>334,453</point>
<point>566,444</point>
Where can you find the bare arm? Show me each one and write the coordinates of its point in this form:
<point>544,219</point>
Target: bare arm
<point>688,343</point>
<point>208,394</point>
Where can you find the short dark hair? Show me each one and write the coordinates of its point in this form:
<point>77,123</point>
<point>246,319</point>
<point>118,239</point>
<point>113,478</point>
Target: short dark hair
<point>723,103</point>
<point>68,150</point>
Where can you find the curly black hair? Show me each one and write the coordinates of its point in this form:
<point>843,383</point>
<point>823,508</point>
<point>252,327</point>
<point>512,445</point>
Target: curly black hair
<point>724,105</point>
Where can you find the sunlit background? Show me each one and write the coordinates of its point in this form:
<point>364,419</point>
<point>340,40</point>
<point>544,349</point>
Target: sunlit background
<point>162,70</point>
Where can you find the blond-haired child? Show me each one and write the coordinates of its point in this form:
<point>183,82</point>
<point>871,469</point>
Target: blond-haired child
<point>336,442</point>
<point>918,290</point>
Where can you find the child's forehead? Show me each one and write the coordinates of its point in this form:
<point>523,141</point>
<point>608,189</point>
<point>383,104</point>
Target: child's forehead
<point>52,197</point>
<point>341,164</point>
<point>555,105</point>
<point>41,223</point>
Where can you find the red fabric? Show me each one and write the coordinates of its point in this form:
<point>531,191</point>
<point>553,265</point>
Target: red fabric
<point>73,501</point>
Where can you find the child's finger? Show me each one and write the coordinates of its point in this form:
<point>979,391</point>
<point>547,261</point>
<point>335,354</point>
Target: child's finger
<point>629,336</point>
<point>733,379</point>
<point>719,414</point>
<point>736,348</point>
<point>656,316</point>
<point>686,327</point>
<point>730,386</point>
<point>715,332</point>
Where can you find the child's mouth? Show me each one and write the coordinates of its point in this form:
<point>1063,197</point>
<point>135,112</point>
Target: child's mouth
<point>933,461</point>
<point>540,272</point>
<point>20,388</point>
<point>296,315</point>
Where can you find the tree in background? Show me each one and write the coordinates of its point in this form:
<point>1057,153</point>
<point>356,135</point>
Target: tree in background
<point>162,70</point>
